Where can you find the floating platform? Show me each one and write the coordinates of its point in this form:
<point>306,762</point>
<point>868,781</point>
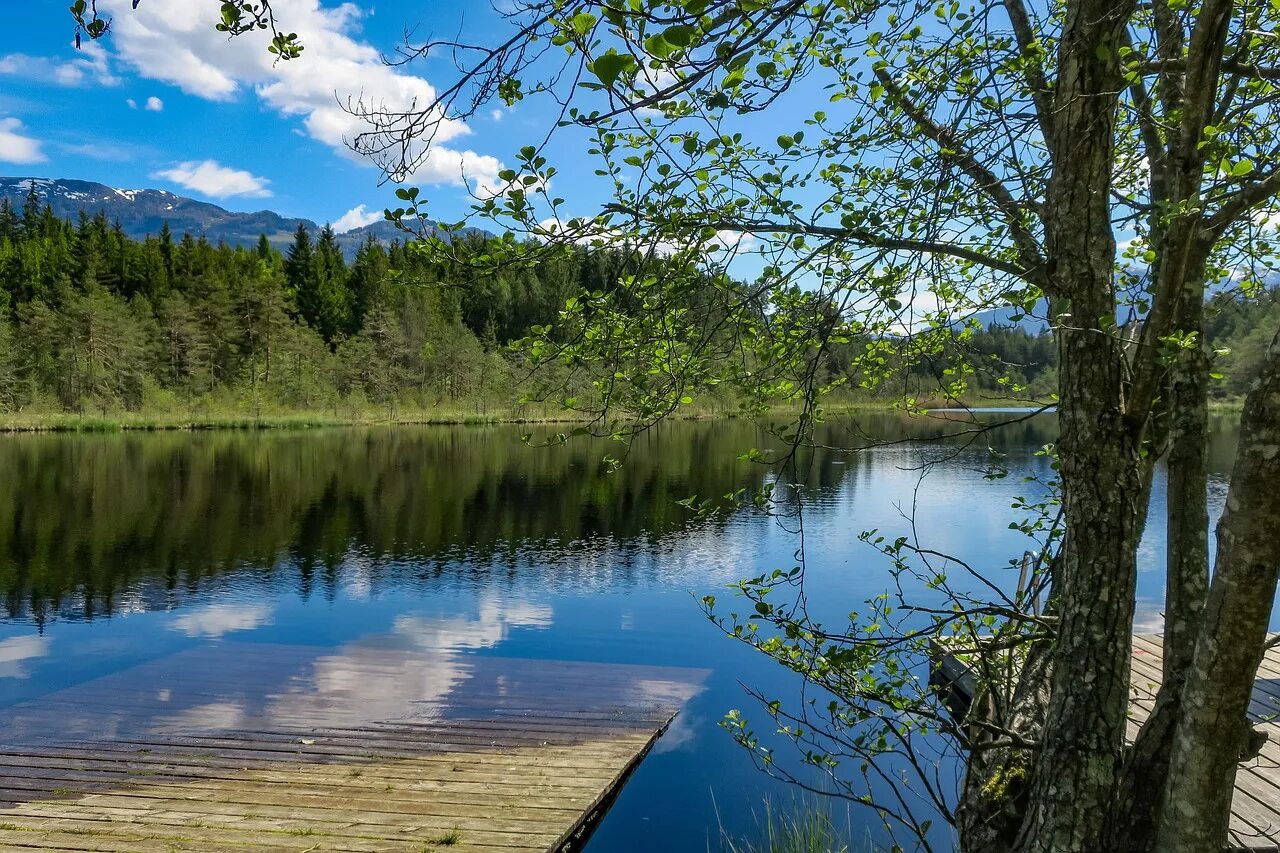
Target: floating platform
<point>1255,808</point>
<point>257,747</point>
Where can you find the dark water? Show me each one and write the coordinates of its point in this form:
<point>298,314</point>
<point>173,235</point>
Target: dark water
<point>119,550</point>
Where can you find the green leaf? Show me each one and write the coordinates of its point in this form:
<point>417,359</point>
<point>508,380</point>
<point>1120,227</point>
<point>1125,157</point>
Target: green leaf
<point>657,46</point>
<point>609,66</point>
<point>680,35</point>
<point>1240,168</point>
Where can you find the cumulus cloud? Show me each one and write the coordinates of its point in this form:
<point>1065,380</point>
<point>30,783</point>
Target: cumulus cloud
<point>154,104</point>
<point>356,217</point>
<point>216,180</point>
<point>16,146</point>
<point>175,41</point>
<point>420,664</point>
<point>133,105</point>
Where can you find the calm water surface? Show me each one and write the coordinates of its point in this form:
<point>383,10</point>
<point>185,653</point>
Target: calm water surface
<point>120,550</point>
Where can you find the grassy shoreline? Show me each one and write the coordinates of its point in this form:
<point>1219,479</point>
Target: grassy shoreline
<point>71,422</point>
<point>29,422</point>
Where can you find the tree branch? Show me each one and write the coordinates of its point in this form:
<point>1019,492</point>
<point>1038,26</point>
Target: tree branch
<point>1247,198</point>
<point>1036,81</point>
<point>954,151</point>
<point>869,239</point>
<point>1245,70</point>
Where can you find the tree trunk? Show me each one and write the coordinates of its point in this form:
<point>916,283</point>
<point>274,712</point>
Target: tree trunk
<point>1187,511</point>
<point>1074,777</point>
<point>1211,729</point>
<point>1184,432</point>
<point>993,800</point>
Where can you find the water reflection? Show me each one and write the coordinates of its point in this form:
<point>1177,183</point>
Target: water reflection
<point>423,669</point>
<point>15,652</point>
<point>214,620</point>
<point>103,525</point>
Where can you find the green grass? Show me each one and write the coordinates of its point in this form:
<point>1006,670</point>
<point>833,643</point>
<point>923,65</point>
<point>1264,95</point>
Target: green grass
<point>807,826</point>
<point>451,838</point>
<point>198,420</point>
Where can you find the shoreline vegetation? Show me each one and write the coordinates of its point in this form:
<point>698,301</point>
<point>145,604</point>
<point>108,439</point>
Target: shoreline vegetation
<point>53,421</point>
<point>196,421</point>
<point>101,333</point>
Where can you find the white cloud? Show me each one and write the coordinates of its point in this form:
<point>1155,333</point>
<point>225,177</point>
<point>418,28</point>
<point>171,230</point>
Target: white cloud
<point>105,149</point>
<point>214,179</point>
<point>15,147</point>
<point>215,620</point>
<point>154,104</point>
<point>133,105</point>
<point>175,41</point>
<point>90,65</point>
<point>356,217</point>
<point>16,651</point>
<point>496,114</point>
<point>419,665</point>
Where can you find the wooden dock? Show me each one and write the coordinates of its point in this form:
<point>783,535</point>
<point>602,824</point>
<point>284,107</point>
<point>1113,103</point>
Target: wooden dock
<point>289,748</point>
<point>1255,808</point>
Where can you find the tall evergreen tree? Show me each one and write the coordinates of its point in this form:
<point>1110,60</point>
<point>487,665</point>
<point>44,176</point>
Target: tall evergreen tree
<point>166,251</point>
<point>297,264</point>
<point>322,297</point>
<point>368,274</point>
<point>31,213</point>
<point>9,223</point>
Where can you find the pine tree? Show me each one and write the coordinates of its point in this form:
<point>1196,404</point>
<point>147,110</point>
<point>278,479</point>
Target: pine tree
<point>9,223</point>
<point>297,263</point>
<point>166,252</point>
<point>321,293</point>
<point>368,274</point>
<point>31,214</point>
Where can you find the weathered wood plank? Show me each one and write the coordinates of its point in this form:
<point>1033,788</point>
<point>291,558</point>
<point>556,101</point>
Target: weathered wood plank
<point>1255,808</point>
<point>273,749</point>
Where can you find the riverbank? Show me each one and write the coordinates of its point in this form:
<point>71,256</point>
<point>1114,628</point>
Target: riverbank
<point>198,420</point>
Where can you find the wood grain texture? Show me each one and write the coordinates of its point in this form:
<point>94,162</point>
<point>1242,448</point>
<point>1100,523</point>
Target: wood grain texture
<point>297,749</point>
<point>1255,806</point>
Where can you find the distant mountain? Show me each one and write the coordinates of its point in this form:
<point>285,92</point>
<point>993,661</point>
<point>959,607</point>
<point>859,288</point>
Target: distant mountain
<point>1033,325</point>
<point>143,212</point>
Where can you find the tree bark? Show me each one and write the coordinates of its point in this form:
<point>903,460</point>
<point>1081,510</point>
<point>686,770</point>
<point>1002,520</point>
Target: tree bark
<point>1074,776</point>
<point>1212,726</point>
<point>1178,233</point>
<point>1183,430</point>
<point>993,800</point>
<point>1187,510</point>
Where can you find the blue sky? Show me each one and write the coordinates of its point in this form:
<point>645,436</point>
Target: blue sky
<point>165,101</point>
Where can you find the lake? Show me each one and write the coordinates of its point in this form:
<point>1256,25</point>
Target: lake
<point>117,550</point>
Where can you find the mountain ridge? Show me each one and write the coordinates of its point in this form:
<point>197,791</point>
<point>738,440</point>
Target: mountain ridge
<point>143,212</point>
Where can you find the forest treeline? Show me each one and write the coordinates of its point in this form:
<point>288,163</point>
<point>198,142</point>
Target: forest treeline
<point>92,321</point>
